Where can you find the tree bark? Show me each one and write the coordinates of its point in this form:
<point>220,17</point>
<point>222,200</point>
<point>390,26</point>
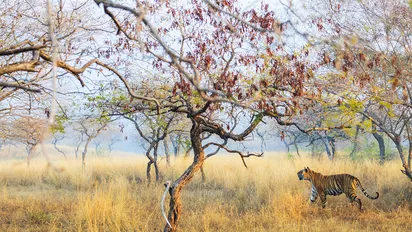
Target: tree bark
<point>406,164</point>
<point>178,146</point>
<point>175,205</point>
<point>85,151</point>
<point>157,172</point>
<point>381,144</point>
<point>29,154</point>
<point>331,141</point>
<point>355,143</point>
<point>155,161</point>
<point>149,164</point>
<point>166,146</point>
<point>296,145</point>
<point>76,152</point>
<point>202,171</point>
<point>313,150</point>
<point>330,155</point>
<point>286,145</point>
<point>148,168</point>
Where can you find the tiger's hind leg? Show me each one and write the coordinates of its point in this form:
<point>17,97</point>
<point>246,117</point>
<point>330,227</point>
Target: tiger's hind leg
<point>353,198</point>
<point>350,201</point>
<point>359,202</point>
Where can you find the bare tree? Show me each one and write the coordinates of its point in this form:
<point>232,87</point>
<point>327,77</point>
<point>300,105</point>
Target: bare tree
<point>28,131</point>
<point>153,130</point>
<point>56,139</point>
<point>92,128</point>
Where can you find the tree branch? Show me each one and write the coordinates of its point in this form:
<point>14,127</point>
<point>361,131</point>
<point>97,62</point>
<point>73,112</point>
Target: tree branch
<point>242,156</point>
<point>20,50</point>
<point>18,86</point>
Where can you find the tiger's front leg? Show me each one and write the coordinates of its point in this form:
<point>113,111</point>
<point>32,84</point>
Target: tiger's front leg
<point>313,195</point>
<point>323,199</point>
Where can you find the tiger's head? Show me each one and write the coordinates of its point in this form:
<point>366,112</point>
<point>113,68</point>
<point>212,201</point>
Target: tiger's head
<point>305,174</point>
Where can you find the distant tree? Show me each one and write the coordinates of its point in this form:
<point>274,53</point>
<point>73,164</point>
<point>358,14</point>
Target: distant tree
<point>28,131</point>
<point>153,130</point>
<point>91,128</point>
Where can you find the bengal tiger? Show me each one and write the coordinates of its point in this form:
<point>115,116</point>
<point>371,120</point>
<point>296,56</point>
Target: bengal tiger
<point>334,185</point>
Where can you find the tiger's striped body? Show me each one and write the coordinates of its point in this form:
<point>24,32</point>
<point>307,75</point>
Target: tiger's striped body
<point>323,185</point>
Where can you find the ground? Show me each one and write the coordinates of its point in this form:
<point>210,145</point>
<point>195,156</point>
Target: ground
<point>112,194</point>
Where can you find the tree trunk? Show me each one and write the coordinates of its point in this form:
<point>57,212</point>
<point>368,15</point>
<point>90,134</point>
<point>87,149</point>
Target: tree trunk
<point>151,161</point>
<point>148,168</point>
<point>313,150</point>
<point>157,173</point>
<point>330,155</point>
<point>85,151</point>
<point>286,145</point>
<point>29,154</point>
<point>406,164</point>
<point>408,171</point>
<point>296,145</point>
<point>177,151</point>
<point>155,162</point>
<point>76,152</point>
<point>202,171</point>
<point>355,143</point>
<point>175,205</point>
<point>381,143</point>
<point>176,145</point>
<point>331,141</point>
<point>166,145</point>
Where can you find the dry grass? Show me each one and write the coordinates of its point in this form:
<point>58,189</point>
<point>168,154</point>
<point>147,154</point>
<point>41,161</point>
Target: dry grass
<point>112,195</point>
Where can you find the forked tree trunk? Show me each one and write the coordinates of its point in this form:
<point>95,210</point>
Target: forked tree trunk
<point>149,164</point>
<point>326,144</point>
<point>175,205</point>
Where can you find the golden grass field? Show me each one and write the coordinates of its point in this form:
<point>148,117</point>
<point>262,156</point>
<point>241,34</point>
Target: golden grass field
<point>112,195</point>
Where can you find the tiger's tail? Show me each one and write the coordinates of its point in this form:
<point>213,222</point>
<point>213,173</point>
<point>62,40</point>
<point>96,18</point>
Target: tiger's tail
<point>364,192</point>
